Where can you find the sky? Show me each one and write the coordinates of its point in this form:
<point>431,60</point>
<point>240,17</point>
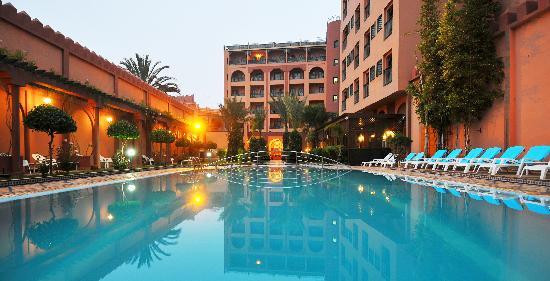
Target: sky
<point>189,36</point>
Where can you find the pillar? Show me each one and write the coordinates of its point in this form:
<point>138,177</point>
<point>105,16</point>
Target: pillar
<point>95,137</point>
<point>16,165</point>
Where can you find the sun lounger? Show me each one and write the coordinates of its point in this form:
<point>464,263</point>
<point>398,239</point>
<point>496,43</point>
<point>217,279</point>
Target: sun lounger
<point>535,155</point>
<point>452,162</point>
<point>486,157</point>
<point>509,155</point>
<point>542,168</point>
<point>377,161</point>
<point>413,160</point>
<point>422,162</point>
<point>450,157</point>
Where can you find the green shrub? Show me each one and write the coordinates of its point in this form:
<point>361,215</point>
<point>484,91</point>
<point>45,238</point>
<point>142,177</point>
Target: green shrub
<point>120,161</point>
<point>222,153</point>
<point>259,144</point>
<point>399,144</point>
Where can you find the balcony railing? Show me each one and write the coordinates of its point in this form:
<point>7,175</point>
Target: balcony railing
<point>277,77</point>
<point>237,94</point>
<point>317,58</point>
<point>276,60</point>
<point>296,59</point>
<point>277,94</point>
<point>256,61</point>
<point>257,94</point>
<point>356,96</point>
<point>319,90</point>
<point>316,76</point>
<point>296,76</point>
<point>388,26</point>
<point>257,78</point>
<point>387,76</point>
<point>237,62</point>
<point>297,93</point>
<point>237,79</point>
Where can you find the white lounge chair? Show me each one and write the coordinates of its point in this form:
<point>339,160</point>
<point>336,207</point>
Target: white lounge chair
<point>542,168</point>
<point>147,159</point>
<point>27,165</point>
<point>377,161</point>
<point>534,156</point>
<point>105,161</point>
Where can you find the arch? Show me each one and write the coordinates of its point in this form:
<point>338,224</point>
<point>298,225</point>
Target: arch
<point>237,76</point>
<point>316,73</point>
<point>257,75</point>
<point>402,109</point>
<point>277,74</point>
<point>296,73</point>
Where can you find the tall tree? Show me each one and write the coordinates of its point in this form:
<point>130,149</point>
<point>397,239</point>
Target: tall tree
<point>471,68</point>
<point>234,114</point>
<point>257,122</point>
<point>149,72</point>
<point>278,105</point>
<point>295,110</point>
<point>429,93</point>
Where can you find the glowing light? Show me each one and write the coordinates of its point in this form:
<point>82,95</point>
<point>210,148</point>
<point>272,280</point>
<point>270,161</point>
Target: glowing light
<point>110,217</point>
<point>373,136</point>
<point>373,193</point>
<point>131,152</point>
<point>198,126</point>
<point>258,262</point>
<point>198,199</point>
<point>360,188</point>
<point>208,154</point>
<point>388,198</point>
<point>334,240</point>
<point>361,138</point>
<point>258,56</point>
<point>47,100</point>
<point>208,175</point>
<point>109,119</point>
<point>131,188</point>
<point>275,175</point>
<point>388,135</point>
<point>333,222</point>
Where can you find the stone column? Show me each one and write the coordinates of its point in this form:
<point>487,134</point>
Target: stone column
<point>16,165</point>
<point>95,137</point>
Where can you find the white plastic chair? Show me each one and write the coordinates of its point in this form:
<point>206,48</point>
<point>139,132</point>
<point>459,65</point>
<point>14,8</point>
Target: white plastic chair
<point>27,165</point>
<point>147,159</point>
<point>105,161</point>
<point>542,168</point>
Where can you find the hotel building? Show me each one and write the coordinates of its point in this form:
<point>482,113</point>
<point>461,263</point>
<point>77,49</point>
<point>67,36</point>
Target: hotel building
<point>379,54</point>
<point>257,73</point>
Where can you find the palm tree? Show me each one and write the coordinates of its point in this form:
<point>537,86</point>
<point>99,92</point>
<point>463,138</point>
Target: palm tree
<point>257,122</point>
<point>295,111</point>
<point>143,68</point>
<point>278,105</point>
<point>234,114</point>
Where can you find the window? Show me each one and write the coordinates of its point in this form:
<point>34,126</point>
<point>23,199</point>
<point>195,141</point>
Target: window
<point>372,31</point>
<point>367,9</point>
<point>336,44</point>
<point>334,97</point>
<point>334,80</point>
<point>387,69</point>
<point>379,68</point>
<point>388,26</point>
<point>372,73</point>
<point>366,47</point>
<point>365,84</point>
<point>358,18</point>
<point>344,9</point>
<point>335,62</point>
<point>351,22</point>
<point>356,58</point>
<point>379,23</point>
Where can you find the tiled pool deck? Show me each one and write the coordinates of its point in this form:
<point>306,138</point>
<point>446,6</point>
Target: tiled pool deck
<point>528,186</point>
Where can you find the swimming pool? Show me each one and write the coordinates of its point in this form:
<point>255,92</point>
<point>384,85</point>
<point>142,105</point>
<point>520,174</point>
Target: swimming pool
<point>270,223</point>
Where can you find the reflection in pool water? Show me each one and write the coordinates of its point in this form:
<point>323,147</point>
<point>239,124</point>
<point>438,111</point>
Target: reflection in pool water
<point>198,227</point>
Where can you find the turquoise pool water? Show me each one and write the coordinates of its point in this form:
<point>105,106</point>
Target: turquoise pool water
<point>269,224</point>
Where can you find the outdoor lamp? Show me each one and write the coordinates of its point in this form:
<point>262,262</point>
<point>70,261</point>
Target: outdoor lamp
<point>109,119</point>
<point>47,100</point>
<point>208,154</point>
<point>131,152</point>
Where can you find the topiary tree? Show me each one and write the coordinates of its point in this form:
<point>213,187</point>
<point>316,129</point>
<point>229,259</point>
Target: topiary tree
<point>162,136</point>
<point>123,131</point>
<point>50,120</point>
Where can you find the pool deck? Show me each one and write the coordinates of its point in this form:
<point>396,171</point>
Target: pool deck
<point>37,189</point>
<point>532,189</point>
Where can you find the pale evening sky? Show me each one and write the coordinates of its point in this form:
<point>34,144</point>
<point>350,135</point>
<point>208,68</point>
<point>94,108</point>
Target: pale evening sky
<point>187,35</point>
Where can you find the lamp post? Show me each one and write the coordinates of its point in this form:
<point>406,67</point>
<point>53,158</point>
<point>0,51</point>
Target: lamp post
<point>130,152</point>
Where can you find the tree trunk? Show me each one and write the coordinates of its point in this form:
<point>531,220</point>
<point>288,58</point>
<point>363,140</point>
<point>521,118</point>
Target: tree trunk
<point>50,149</point>
<point>467,135</point>
<point>426,139</point>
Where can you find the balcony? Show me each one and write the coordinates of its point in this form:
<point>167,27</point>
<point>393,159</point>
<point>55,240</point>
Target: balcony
<point>257,78</point>
<point>277,59</point>
<point>237,94</point>
<point>296,58</point>
<point>387,76</point>
<point>317,90</point>
<point>237,79</point>
<point>388,27</point>
<point>254,60</point>
<point>276,94</point>
<point>277,77</point>
<point>237,62</point>
<point>257,94</point>
<point>317,58</point>
<point>297,92</point>
<point>296,76</point>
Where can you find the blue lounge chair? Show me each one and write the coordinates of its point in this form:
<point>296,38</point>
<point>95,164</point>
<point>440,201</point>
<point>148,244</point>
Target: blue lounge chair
<point>474,153</point>
<point>408,158</point>
<point>450,157</point>
<point>535,155</point>
<point>509,155</point>
<point>416,158</point>
<point>437,155</point>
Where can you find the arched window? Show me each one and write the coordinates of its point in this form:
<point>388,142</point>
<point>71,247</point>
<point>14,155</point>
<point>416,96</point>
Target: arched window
<point>257,75</point>
<point>316,73</point>
<point>296,73</point>
<point>277,74</point>
<point>237,76</point>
